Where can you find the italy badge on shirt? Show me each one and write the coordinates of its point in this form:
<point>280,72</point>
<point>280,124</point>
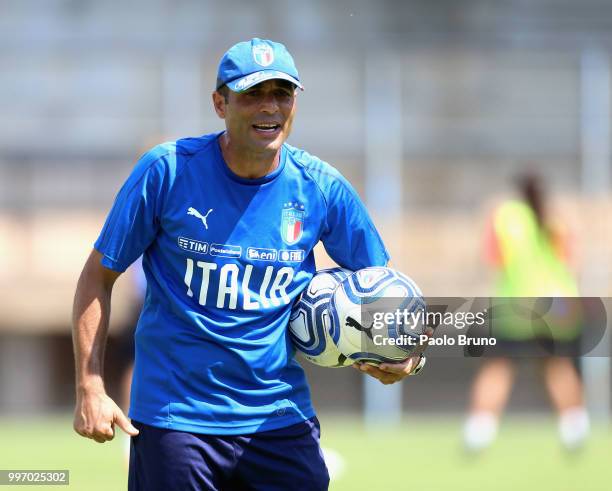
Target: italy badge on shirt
<point>292,222</point>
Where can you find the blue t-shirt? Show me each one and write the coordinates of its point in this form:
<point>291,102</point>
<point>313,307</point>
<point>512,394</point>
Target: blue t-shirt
<point>225,258</point>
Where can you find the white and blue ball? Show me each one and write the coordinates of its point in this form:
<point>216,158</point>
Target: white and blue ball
<point>375,289</point>
<point>310,321</point>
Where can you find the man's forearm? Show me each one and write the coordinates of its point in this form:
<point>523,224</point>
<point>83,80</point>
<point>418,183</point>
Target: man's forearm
<point>91,313</point>
<point>95,413</point>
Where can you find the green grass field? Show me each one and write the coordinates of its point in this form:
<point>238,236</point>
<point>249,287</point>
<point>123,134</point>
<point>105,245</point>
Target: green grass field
<point>422,455</point>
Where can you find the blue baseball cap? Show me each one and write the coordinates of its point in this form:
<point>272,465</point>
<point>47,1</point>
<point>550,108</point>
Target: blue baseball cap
<point>251,62</point>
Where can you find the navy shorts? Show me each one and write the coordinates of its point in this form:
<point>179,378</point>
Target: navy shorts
<point>284,459</point>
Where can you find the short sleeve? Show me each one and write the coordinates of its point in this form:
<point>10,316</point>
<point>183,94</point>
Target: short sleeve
<point>350,237</point>
<point>133,221</point>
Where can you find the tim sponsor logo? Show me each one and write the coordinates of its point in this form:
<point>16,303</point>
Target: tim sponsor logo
<point>225,250</point>
<point>192,245</point>
<point>261,254</point>
<point>291,255</point>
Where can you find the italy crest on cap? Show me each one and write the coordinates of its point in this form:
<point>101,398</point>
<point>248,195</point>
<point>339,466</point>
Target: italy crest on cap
<point>263,54</point>
<point>292,223</point>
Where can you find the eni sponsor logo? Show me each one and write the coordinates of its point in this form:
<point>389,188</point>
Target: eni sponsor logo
<point>193,245</point>
<point>261,254</point>
<point>225,250</point>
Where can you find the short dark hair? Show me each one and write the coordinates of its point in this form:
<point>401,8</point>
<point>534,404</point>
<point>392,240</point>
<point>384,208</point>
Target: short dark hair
<point>224,91</point>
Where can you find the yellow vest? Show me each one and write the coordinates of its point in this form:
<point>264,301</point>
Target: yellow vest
<point>531,268</point>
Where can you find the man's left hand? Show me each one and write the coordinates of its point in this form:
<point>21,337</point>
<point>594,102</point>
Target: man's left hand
<point>389,373</point>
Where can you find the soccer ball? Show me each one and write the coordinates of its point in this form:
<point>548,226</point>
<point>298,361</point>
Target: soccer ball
<point>358,328</point>
<point>310,320</point>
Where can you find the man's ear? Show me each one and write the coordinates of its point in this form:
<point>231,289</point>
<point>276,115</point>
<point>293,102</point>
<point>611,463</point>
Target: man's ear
<point>219,103</point>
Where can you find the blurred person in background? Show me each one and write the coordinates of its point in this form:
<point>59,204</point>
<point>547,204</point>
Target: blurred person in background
<point>528,248</point>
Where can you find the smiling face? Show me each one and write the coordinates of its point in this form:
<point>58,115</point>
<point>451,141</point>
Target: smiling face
<point>259,119</point>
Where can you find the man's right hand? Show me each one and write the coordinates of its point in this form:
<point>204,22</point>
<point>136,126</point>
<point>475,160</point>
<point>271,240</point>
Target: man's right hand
<point>95,417</point>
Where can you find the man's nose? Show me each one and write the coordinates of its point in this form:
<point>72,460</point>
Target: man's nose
<point>269,103</point>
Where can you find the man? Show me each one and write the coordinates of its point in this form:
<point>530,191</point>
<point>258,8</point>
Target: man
<point>226,224</point>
